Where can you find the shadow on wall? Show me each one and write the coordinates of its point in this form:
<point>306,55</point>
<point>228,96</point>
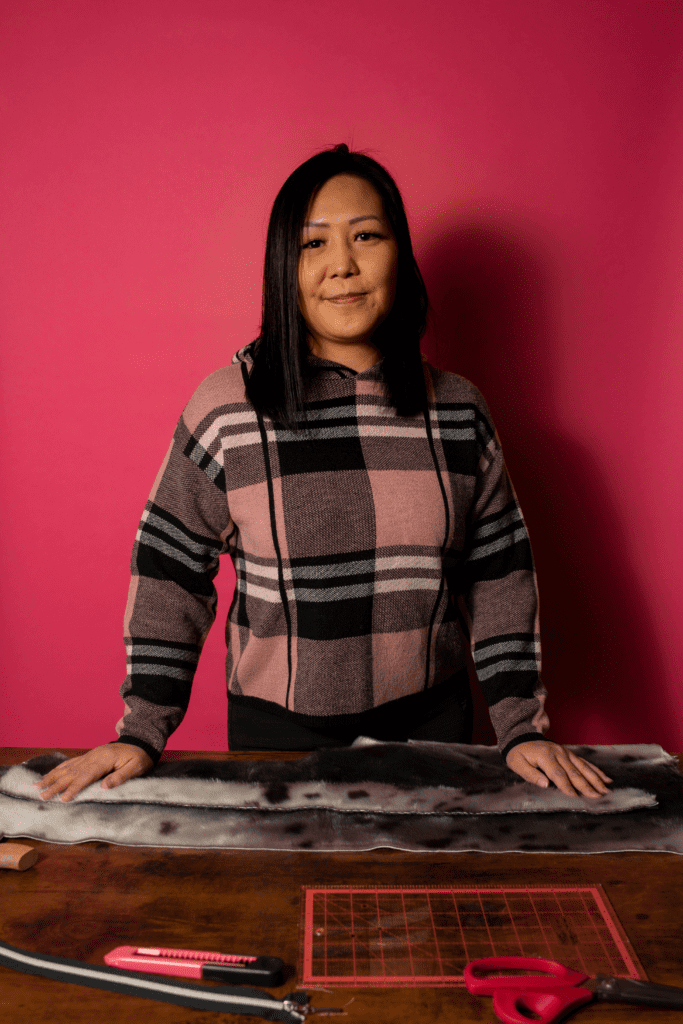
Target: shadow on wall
<point>491,286</point>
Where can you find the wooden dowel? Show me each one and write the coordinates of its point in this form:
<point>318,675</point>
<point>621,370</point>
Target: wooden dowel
<point>17,856</point>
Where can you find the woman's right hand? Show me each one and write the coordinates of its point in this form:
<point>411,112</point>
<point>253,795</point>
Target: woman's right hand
<point>117,762</point>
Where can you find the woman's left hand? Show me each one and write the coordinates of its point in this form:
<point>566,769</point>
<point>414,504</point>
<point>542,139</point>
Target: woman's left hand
<point>542,762</point>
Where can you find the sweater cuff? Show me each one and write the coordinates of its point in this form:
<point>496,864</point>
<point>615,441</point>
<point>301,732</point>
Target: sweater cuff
<point>133,741</point>
<point>524,737</point>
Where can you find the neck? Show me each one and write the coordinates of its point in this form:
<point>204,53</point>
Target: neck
<point>357,356</point>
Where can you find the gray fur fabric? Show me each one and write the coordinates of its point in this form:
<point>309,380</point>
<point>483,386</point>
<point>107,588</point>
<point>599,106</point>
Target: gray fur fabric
<point>410,796</point>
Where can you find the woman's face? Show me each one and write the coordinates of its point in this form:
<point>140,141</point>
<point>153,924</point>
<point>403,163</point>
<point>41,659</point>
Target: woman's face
<point>347,266</point>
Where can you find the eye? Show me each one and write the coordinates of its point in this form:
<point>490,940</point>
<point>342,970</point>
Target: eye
<point>314,243</point>
<point>365,236</point>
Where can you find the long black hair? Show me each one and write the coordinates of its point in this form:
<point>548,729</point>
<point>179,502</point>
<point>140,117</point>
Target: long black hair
<point>277,381</point>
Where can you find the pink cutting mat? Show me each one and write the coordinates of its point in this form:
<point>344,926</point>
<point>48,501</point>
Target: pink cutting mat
<point>391,938</point>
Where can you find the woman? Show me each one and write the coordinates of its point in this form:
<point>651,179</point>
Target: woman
<point>363,498</point>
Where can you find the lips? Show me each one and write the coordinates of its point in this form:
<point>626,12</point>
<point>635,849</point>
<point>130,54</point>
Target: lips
<point>346,297</point>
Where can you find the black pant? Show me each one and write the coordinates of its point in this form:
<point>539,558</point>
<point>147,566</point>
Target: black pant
<point>442,713</point>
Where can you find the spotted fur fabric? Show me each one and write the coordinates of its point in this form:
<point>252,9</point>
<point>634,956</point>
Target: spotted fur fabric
<point>409,796</point>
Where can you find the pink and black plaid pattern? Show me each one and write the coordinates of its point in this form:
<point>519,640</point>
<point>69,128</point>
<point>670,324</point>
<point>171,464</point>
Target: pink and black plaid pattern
<point>370,551</point>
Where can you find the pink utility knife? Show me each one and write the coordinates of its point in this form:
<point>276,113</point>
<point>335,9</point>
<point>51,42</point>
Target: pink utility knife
<point>195,963</point>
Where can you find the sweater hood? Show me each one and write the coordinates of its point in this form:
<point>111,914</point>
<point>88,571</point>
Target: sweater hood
<point>245,354</point>
<point>320,368</point>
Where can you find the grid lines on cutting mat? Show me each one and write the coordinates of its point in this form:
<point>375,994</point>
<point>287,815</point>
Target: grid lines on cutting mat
<point>420,936</point>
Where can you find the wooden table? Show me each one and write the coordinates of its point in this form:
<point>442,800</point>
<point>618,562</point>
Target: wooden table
<point>81,901</point>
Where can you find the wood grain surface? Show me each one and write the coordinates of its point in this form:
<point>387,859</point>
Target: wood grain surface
<point>81,901</point>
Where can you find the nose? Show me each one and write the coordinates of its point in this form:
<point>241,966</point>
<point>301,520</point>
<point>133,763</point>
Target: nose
<point>342,263</point>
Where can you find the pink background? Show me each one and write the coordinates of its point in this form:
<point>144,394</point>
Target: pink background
<point>539,148</point>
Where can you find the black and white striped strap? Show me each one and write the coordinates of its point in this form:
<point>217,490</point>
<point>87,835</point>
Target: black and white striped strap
<point>224,999</point>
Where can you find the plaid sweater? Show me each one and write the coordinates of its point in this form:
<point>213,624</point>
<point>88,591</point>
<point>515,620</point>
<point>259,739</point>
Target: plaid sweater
<point>371,551</point>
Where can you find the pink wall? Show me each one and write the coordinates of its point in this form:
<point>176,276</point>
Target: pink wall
<point>538,144</point>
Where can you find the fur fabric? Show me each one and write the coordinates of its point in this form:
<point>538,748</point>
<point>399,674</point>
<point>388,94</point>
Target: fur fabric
<point>409,796</point>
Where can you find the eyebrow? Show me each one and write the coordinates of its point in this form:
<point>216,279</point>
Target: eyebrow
<point>354,220</point>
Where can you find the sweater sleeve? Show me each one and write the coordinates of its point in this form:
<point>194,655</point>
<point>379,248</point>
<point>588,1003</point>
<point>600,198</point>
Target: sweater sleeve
<point>172,600</point>
<point>501,599</point>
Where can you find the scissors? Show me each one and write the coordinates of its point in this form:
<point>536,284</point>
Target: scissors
<point>519,997</point>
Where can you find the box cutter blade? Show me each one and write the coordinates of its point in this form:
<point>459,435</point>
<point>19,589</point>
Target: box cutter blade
<point>195,963</point>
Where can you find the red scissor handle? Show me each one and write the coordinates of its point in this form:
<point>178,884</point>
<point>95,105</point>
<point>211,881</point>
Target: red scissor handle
<point>551,998</point>
<point>480,985</point>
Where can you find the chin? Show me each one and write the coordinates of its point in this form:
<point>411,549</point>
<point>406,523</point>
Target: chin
<point>352,331</point>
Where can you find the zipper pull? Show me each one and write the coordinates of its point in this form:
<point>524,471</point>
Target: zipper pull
<point>298,1002</point>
